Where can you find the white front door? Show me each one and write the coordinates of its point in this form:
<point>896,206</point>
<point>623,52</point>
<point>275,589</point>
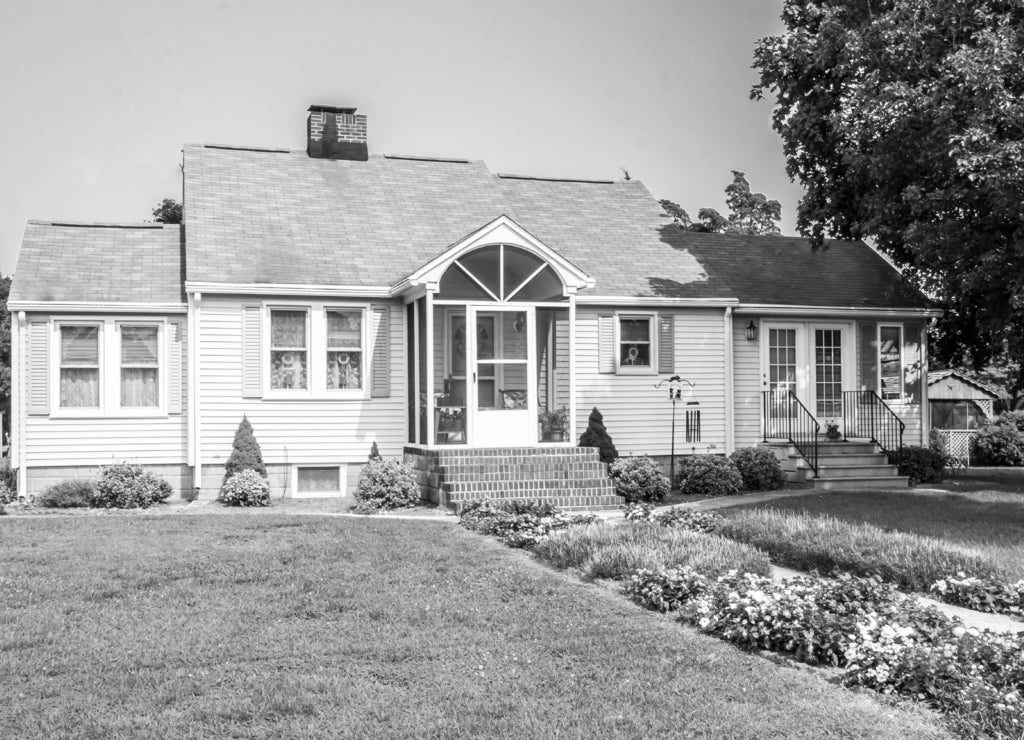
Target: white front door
<point>502,377</point>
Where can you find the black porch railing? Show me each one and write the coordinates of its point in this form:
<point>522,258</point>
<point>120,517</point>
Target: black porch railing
<point>785,417</point>
<point>865,414</point>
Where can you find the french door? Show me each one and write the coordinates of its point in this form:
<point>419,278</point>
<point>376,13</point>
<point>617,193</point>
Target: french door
<point>502,382</point>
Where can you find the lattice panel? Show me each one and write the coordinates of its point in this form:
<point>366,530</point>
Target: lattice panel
<point>958,446</point>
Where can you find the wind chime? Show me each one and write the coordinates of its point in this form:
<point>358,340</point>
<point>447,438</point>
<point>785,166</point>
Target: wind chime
<point>675,395</point>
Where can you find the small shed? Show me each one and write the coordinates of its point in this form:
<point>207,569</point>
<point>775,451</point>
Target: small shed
<point>958,405</point>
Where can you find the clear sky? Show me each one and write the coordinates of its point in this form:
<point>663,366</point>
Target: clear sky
<point>98,96</point>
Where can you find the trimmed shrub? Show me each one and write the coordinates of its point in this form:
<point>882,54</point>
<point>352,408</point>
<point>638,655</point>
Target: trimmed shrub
<point>387,484</point>
<point>638,479</point>
<point>596,435</point>
<point>1000,441</point>
<point>129,486</point>
<point>246,488</point>
<point>245,452</point>
<point>68,494</point>
<point>919,464</point>
<point>759,468</point>
<point>709,475</point>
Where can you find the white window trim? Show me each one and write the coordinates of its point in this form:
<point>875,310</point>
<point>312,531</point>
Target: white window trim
<point>878,362</point>
<point>650,369</point>
<point>342,481</point>
<point>316,349</point>
<point>109,369</point>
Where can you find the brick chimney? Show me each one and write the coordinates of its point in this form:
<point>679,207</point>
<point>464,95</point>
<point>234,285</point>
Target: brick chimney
<point>335,133</point>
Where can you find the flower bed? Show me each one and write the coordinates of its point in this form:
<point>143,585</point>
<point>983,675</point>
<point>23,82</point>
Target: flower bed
<point>518,523</point>
<point>881,639</point>
<point>691,519</point>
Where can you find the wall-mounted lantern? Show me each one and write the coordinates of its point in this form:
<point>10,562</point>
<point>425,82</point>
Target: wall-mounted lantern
<point>751,331</point>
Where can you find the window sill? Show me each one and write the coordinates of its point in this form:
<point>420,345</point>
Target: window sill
<point>95,415</point>
<point>641,370</point>
<point>305,396</point>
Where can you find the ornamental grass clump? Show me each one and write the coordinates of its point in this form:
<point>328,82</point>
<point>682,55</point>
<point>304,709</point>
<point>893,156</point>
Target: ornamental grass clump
<point>387,484</point>
<point>246,488</point>
<point>825,543</point>
<point>129,486</point>
<point>759,468</point>
<point>709,475</point>
<point>602,551</point>
<point>638,479</point>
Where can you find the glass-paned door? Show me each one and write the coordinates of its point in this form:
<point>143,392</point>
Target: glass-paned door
<point>502,378</point>
<point>828,373</point>
<point>781,376</point>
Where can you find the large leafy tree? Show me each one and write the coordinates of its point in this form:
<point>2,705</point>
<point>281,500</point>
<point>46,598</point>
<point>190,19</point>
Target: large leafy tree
<point>904,121</point>
<point>167,211</point>
<point>749,213</point>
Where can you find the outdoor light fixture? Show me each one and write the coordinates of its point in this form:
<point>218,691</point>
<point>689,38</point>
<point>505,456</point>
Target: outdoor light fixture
<point>751,331</point>
<point>520,320</point>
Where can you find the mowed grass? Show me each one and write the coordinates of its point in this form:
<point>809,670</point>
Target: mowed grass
<point>969,514</point>
<point>295,627</point>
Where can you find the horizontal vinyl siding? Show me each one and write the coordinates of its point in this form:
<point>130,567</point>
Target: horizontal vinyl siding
<point>52,441</point>
<point>292,431</point>
<point>638,415</point>
<point>747,383</point>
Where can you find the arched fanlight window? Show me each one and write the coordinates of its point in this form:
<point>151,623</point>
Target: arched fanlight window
<point>501,273</point>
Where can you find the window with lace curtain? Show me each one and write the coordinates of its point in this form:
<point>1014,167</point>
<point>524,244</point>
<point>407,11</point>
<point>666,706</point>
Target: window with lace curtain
<point>289,359</point>
<point>140,366</point>
<point>79,367</point>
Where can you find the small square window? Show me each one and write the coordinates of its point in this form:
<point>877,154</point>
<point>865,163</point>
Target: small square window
<point>325,479</point>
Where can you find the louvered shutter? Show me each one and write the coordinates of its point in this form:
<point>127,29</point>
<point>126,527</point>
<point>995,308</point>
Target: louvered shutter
<point>175,366</point>
<point>868,357</point>
<point>606,344</point>
<point>381,369</point>
<point>37,370</point>
<point>666,344</point>
<point>252,351</point>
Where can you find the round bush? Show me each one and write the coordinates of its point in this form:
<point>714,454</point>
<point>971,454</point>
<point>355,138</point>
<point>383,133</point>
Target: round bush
<point>919,464</point>
<point>246,488</point>
<point>1000,441</point>
<point>709,475</point>
<point>759,468</point>
<point>68,494</point>
<point>639,479</point>
<point>129,486</point>
<point>387,484</point>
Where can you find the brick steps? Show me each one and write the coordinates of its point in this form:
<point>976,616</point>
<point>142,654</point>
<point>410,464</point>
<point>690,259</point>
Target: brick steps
<point>569,477</point>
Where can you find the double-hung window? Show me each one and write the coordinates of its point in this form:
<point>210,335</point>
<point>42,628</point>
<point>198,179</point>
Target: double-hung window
<point>140,366</point>
<point>635,341</point>
<point>890,362</point>
<point>316,350</point>
<point>79,366</point>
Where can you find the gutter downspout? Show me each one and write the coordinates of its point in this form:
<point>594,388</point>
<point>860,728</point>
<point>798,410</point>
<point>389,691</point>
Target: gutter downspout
<point>194,417</point>
<point>17,407</point>
<point>730,441</point>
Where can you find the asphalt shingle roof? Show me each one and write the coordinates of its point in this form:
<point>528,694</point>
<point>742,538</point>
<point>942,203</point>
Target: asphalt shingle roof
<point>278,216</point>
<point>110,263</point>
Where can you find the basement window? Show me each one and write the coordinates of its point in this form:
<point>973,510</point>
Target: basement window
<point>318,480</point>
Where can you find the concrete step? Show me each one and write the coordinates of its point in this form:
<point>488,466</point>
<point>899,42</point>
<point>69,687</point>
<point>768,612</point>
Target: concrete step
<point>846,448</point>
<point>828,458</point>
<point>855,471</point>
<point>860,483</point>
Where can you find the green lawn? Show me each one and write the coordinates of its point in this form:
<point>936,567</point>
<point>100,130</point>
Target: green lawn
<point>282,626</point>
<point>981,511</point>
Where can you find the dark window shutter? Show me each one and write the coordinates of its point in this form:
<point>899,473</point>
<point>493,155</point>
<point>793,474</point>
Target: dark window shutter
<point>666,344</point>
<point>37,376</point>
<point>175,366</point>
<point>252,351</point>
<point>912,363</point>
<point>606,344</point>
<point>868,356</point>
<point>381,369</point>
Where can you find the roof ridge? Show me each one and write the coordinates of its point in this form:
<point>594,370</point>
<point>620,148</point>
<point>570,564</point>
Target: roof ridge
<point>103,224</point>
<point>507,176</point>
<point>239,148</point>
<point>417,158</point>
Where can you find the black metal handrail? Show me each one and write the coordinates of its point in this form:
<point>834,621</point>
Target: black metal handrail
<point>785,417</point>
<point>865,414</point>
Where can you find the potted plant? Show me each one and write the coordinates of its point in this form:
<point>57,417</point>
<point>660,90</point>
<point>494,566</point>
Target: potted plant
<point>554,424</point>
<point>832,433</point>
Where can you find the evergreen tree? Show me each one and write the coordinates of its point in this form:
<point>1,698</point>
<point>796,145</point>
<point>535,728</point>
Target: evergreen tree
<point>374,452</point>
<point>597,435</point>
<point>245,452</point>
